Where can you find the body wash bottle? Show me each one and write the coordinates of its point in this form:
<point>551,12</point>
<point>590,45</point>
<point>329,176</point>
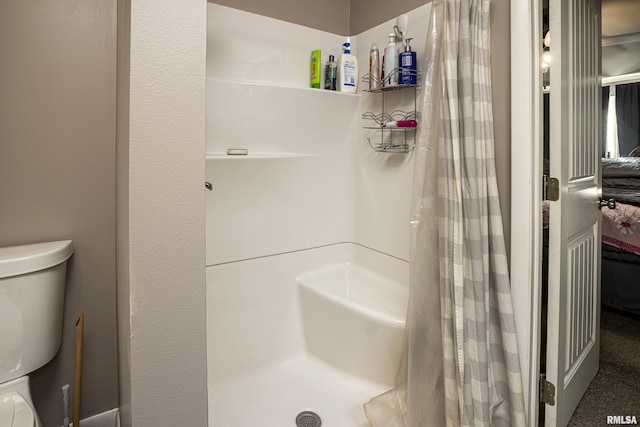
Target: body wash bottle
<point>391,62</point>
<point>347,70</point>
<point>408,71</point>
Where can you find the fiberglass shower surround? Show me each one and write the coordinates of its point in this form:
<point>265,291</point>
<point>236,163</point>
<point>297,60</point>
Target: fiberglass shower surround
<point>307,236</point>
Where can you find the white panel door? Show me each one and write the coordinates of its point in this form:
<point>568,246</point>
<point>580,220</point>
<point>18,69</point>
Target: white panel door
<point>574,236</point>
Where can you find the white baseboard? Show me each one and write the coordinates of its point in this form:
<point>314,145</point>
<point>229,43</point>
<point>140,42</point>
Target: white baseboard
<point>106,419</point>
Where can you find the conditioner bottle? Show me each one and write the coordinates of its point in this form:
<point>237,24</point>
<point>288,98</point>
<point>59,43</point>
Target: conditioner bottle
<point>390,62</point>
<point>330,74</point>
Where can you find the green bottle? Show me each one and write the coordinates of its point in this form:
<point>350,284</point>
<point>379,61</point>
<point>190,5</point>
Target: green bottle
<point>315,69</point>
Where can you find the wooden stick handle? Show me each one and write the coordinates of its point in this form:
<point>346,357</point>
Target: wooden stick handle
<point>78,372</point>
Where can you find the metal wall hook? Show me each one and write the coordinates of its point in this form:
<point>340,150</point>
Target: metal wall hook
<point>208,185</point>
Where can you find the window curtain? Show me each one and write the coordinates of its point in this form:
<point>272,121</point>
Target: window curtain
<point>605,115</point>
<point>628,113</point>
<point>461,366</point>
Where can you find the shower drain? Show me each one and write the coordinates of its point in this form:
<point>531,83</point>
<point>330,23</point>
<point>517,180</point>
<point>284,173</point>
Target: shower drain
<point>308,419</point>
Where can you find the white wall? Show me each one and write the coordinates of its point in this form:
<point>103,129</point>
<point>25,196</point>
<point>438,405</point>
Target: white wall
<point>309,183</point>
<point>161,213</point>
<point>383,180</point>
<point>336,188</point>
<point>292,191</point>
<point>243,46</point>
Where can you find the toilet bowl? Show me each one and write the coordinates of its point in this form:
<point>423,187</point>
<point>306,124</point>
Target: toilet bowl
<point>32,282</point>
<point>16,408</point>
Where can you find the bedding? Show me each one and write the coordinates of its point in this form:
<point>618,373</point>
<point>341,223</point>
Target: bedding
<point>621,179</point>
<point>620,276</point>
<point>624,192</point>
<point>621,234</point>
<point>621,167</point>
<point>621,228</point>
<point>620,285</point>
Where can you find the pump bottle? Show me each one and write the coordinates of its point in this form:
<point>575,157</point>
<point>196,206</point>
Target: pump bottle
<point>347,70</point>
<point>408,65</point>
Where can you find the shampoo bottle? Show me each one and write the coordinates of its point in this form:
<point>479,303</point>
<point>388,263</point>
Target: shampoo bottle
<point>330,74</point>
<point>347,70</point>
<point>408,65</point>
<point>390,62</point>
<point>315,69</point>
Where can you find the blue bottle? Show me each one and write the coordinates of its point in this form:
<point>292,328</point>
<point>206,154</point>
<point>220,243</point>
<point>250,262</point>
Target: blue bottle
<point>408,71</point>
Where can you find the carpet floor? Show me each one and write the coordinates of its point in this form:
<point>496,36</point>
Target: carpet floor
<point>616,388</point>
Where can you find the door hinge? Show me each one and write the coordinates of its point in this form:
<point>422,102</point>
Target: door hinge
<point>547,391</point>
<point>550,188</point>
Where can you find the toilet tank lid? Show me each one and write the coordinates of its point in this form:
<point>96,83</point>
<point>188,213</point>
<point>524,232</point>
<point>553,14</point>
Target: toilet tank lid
<point>15,260</point>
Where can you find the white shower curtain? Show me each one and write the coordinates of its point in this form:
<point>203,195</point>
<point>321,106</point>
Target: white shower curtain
<point>460,366</point>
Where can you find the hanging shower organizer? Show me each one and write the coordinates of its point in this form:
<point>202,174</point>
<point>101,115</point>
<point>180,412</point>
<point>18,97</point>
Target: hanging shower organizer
<point>392,140</point>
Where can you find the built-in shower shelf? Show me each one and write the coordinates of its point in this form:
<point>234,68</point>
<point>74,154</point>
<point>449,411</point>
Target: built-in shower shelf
<point>256,156</point>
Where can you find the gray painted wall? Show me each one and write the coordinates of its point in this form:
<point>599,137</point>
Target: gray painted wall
<point>57,174</point>
<point>123,289</point>
<point>367,14</point>
<point>501,93</point>
<point>327,15</point>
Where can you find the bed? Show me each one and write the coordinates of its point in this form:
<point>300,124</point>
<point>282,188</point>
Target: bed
<point>621,234</point>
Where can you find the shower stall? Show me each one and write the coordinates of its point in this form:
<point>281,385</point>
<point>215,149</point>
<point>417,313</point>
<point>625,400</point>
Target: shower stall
<point>307,233</point>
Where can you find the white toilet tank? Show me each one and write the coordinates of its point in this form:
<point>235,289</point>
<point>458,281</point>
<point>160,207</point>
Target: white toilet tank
<point>32,282</point>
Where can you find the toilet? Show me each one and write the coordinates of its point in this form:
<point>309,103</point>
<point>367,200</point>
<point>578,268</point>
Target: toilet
<point>32,282</point>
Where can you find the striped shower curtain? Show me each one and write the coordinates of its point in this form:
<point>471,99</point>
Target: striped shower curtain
<point>461,365</point>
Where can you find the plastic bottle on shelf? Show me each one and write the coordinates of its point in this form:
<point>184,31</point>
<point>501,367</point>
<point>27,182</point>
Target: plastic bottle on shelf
<point>408,72</point>
<point>390,62</point>
<point>347,70</point>
<point>315,69</point>
<point>374,67</point>
<point>330,74</point>
<point>401,124</point>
